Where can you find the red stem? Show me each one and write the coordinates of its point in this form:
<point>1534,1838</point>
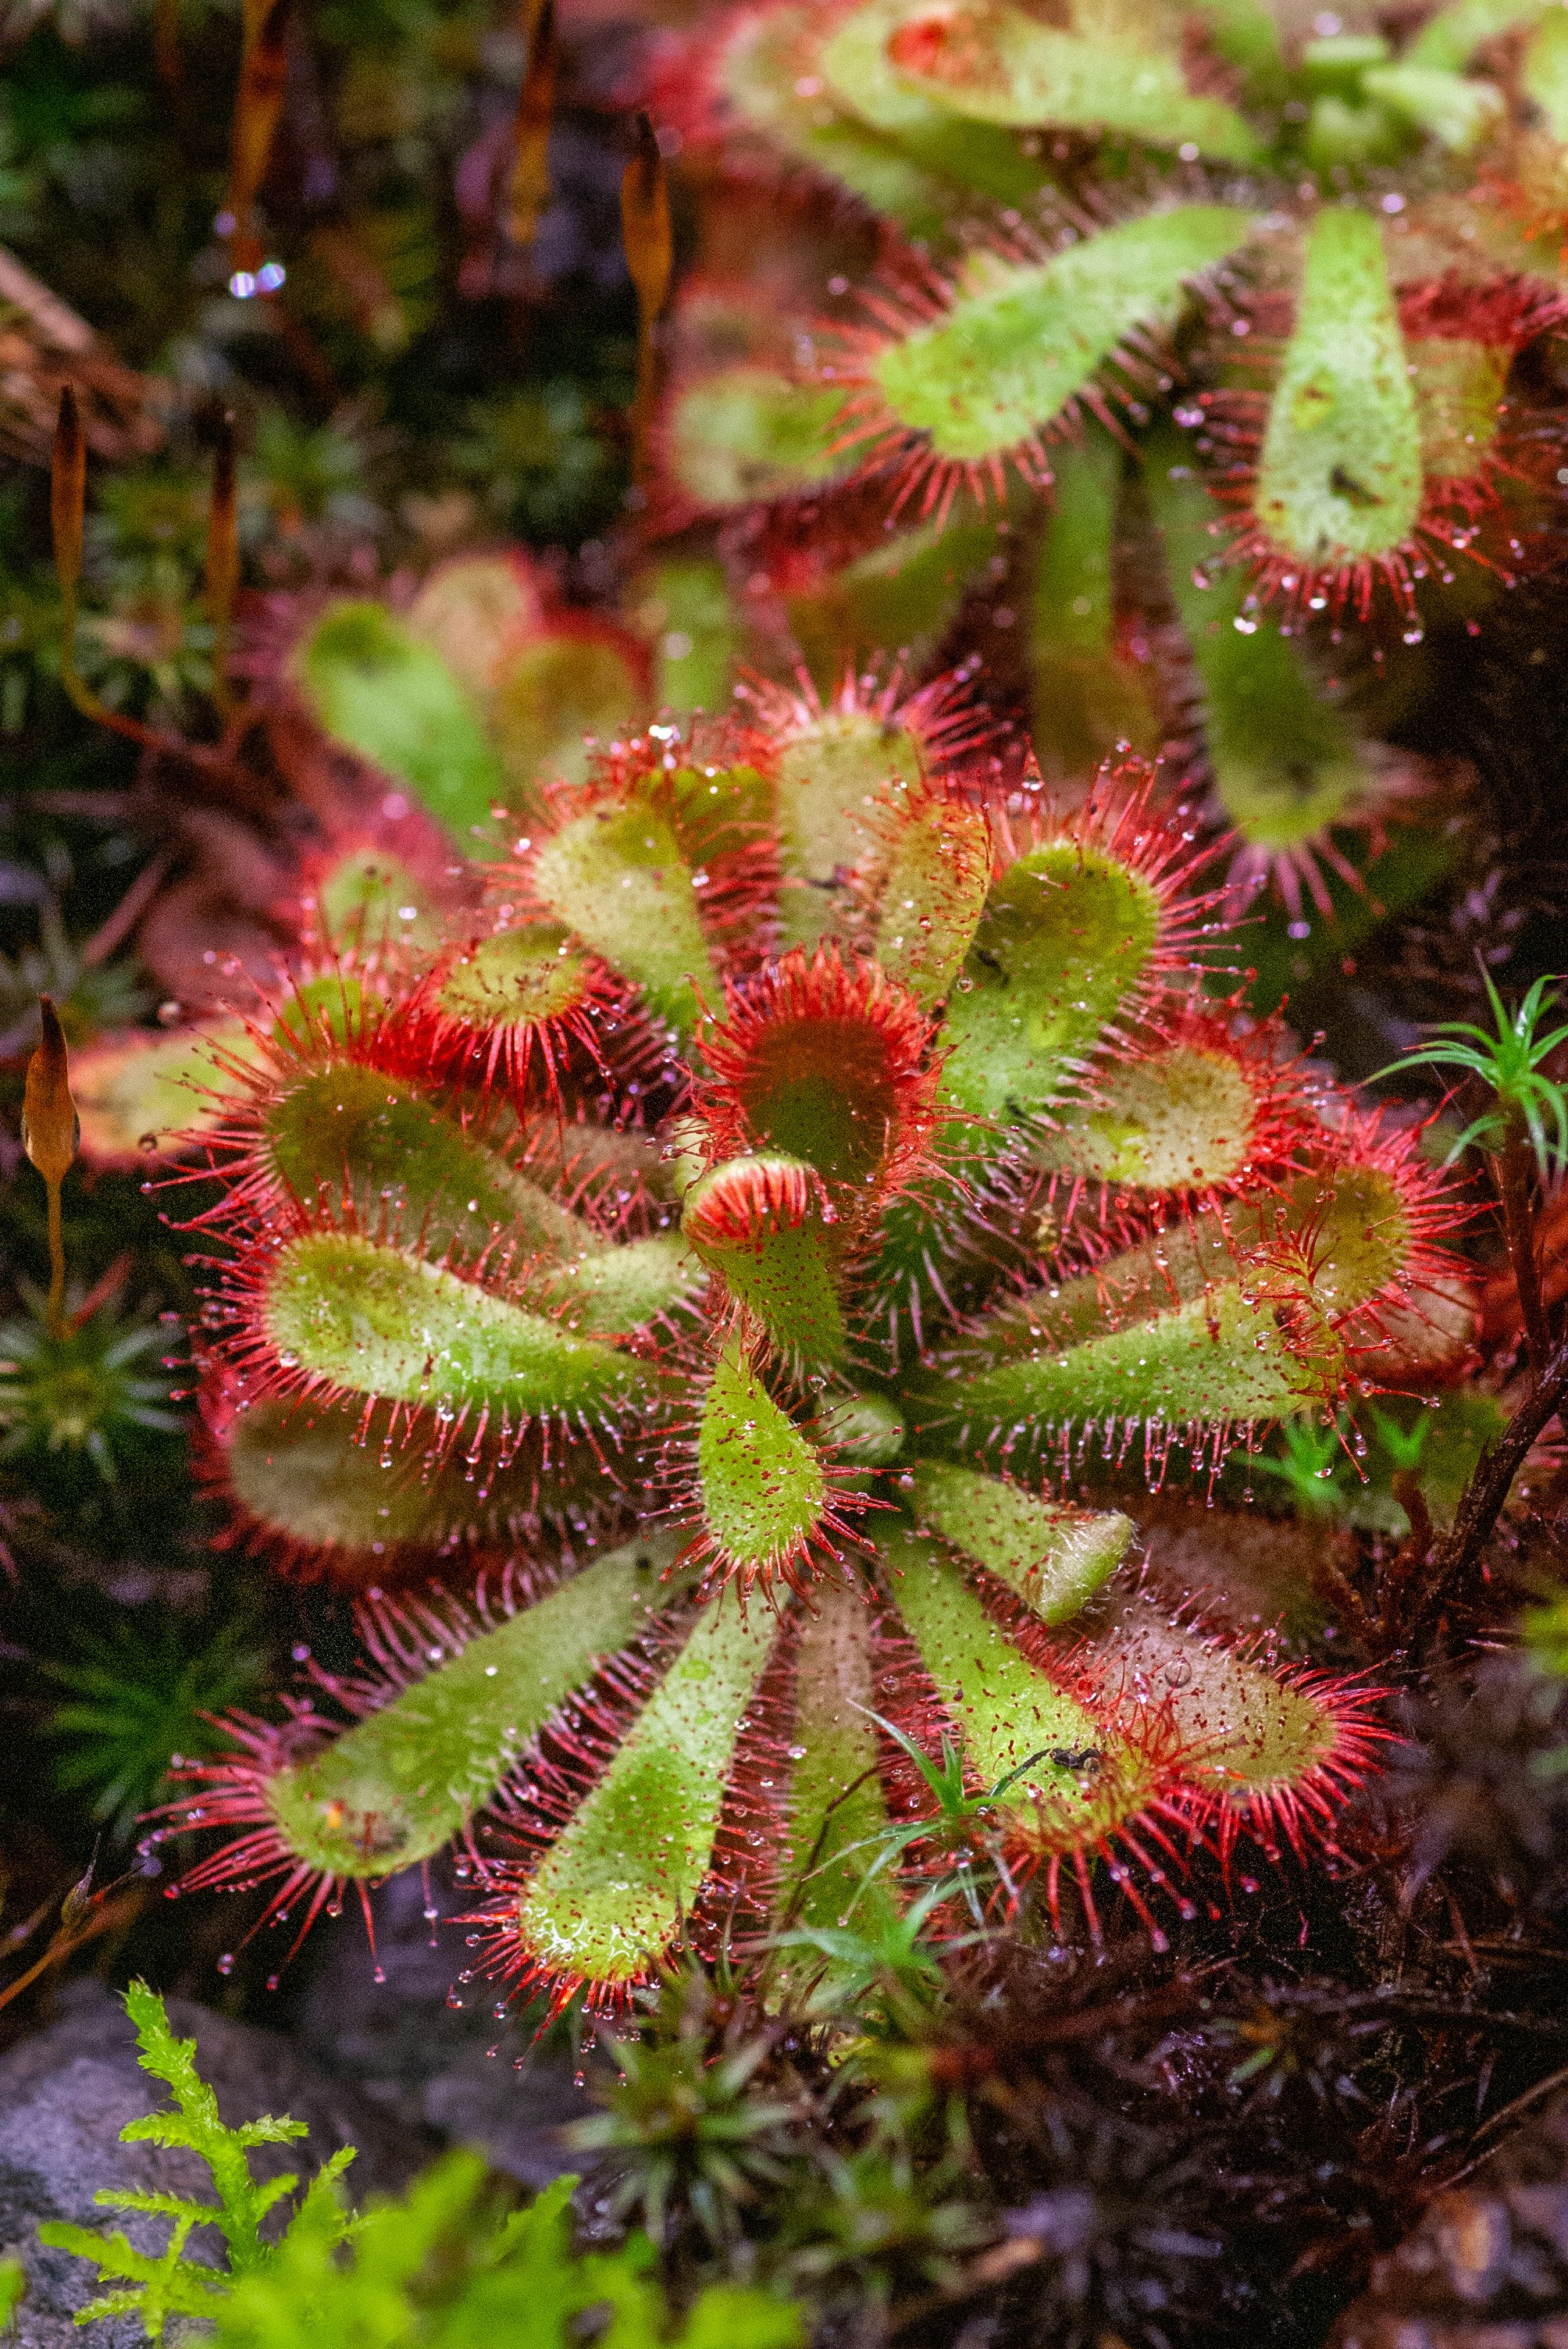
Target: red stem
<point>1514,1165</point>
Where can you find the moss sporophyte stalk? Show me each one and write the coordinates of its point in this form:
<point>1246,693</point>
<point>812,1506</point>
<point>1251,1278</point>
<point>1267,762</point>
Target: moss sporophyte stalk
<point>722,1276</point>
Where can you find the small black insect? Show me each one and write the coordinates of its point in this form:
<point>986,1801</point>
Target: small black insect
<point>983,954</point>
<point>1064,1758</point>
<point>1347,486</point>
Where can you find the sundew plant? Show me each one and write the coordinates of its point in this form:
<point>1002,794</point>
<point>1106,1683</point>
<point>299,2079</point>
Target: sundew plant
<point>782,953</point>
<point>724,1278</point>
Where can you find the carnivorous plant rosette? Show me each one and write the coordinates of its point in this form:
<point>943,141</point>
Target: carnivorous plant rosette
<point>722,1270</point>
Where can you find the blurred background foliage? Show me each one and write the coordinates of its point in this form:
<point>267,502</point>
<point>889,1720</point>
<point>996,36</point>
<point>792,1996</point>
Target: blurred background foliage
<point>421,389</point>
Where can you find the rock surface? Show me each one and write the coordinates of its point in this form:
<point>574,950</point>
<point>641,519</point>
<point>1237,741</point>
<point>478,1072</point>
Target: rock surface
<point>402,2045</point>
<point>66,2093</point>
<point>386,2064</point>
